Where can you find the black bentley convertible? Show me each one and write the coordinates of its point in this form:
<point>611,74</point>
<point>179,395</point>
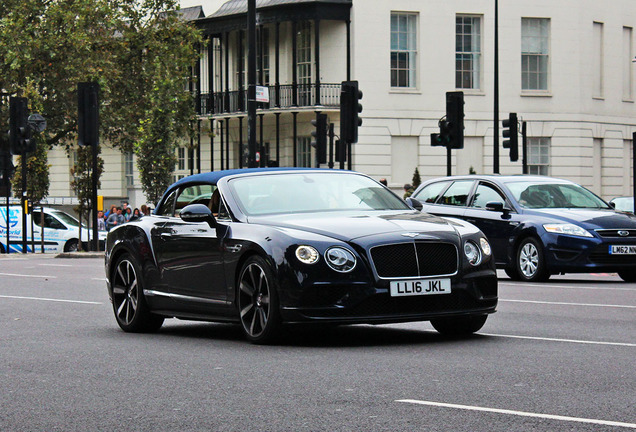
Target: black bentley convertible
<point>267,247</point>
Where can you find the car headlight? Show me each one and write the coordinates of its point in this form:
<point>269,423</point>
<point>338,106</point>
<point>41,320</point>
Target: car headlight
<point>340,259</point>
<point>569,229</point>
<point>473,253</point>
<point>485,246</point>
<point>307,254</point>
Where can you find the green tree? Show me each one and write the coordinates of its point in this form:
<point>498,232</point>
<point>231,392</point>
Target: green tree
<point>82,182</point>
<point>417,180</point>
<point>139,51</point>
<point>37,173</point>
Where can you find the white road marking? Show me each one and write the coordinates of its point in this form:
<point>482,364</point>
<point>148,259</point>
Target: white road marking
<point>29,276</point>
<point>624,344</point>
<point>568,304</point>
<point>56,265</point>
<point>49,299</point>
<point>100,279</point>
<point>550,286</point>
<point>520,413</point>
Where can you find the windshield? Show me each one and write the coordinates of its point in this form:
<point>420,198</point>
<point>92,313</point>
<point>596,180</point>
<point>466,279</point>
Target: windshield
<point>66,218</point>
<point>312,192</point>
<point>554,195</point>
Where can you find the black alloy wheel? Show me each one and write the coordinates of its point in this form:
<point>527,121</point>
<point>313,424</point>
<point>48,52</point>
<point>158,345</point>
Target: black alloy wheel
<point>459,326</point>
<point>530,262</point>
<point>258,301</point>
<point>129,303</point>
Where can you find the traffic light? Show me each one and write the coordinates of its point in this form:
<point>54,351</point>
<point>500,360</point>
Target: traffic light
<point>20,141</point>
<point>320,137</point>
<point>6,166</point>
<point>88,114</point>
<point>350,109</point>
<point>437,140</point>
<point>453,128</point>
<point>511,132</point>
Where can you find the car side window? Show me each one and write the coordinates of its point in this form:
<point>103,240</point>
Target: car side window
<point>430,193</point>
<point>196,194</point>
<point>167,207</point>
<point>486,193</point>
<point>457,193</point>
<point>223,213</point>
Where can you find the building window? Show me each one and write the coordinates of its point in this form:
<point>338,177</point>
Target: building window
<point>181,158</point>
<point>535,53</point>
<point>597,60</point>
<point>263,56</point>
<point>403,49</point>
<point>304,63</point>
<point>538,156</point>
<point>467,52</point>
<point>128,169</point>
<point>628,55</point>
<point>303,152</point>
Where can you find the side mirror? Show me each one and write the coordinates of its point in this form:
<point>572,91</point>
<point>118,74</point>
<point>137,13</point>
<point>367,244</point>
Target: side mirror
<point>495,206</point>
<point>613,205</point>
<point>197,213</point>
<point>414,203</point>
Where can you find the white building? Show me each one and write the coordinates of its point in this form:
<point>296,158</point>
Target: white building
<point>565,67</point>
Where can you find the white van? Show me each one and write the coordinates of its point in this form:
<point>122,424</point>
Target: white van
<point>61,230</point>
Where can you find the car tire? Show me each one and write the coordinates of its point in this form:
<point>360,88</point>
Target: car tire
<point>459,326</point>
<point>257,301</point>
<point>71,245</point>
<point>628,275</point>
<point>530,262</point>
<point>129,304</point>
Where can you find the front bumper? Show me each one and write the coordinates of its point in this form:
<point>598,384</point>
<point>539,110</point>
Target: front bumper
<point>475,294</point>
<point>568,254</point>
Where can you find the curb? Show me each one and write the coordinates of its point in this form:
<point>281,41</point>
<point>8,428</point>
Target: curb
<point>80,255</point>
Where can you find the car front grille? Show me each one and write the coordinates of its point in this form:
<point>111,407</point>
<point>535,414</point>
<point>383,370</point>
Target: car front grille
<point>414,259</point>
<point>614,233</point>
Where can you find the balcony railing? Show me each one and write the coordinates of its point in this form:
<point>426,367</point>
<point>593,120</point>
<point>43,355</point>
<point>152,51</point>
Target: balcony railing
<point>282,96</point>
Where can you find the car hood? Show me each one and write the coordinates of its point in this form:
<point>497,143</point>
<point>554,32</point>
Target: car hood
<point>592,219</point>
<point>347,227</point>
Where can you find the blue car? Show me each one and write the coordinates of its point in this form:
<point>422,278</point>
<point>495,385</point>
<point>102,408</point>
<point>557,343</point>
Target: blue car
<point>538,226</point>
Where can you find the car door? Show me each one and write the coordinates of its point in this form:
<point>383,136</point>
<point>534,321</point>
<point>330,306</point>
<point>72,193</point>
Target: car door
<point>189,254</point>
<point>496,225</point>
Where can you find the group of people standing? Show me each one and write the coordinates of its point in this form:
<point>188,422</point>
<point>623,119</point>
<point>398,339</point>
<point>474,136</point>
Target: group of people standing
<point>119,215</point>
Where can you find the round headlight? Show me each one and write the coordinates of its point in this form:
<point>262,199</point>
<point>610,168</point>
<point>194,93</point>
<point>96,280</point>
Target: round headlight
<point>340,259</point>
<point>472,253</point>
<point>485,246</point>
<point>307,254</point>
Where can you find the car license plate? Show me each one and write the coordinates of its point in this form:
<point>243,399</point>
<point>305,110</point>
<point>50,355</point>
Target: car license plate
<point>622,250</point>
<point>420,287</point>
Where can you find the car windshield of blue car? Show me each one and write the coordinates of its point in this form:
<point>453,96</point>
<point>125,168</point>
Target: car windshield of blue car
<point>554,195</point>
<point>312,192</point>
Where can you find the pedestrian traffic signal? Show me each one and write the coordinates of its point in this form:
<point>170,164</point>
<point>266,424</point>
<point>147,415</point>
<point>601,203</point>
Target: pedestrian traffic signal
<point>350,109</point>
<point>88,114</point>
<point>20,141</point>
<point>511,131</point>
<point>320,137</point>
<point>454,120</point>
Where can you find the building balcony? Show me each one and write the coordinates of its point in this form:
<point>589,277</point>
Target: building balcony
<point>286,97</point>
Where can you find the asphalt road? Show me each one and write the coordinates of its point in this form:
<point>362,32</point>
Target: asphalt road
<point>557,356</point>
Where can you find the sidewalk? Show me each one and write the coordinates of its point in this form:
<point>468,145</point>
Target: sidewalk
<point>19,255</point>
